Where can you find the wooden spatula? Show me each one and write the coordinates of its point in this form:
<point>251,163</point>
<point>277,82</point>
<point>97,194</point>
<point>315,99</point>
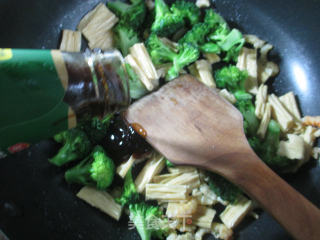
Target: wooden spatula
<point>191,124</point>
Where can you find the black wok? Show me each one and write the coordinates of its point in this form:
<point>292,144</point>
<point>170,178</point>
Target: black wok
<point>35,202</point>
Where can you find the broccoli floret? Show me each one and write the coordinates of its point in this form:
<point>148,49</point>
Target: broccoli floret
<point>136,87</point>
<point>221,37</point>
<point>267,149</point>
<point>125,37</point>
<point>130,15</point>
<point>129,193</point>
<point>196,35</point>
<point>160,53</point>
<point>188,10</point>
<point>97,169</point>
<point>76,145</point>
<point>214,20</point>
<point>166,22</point>
<point>188,53</point>
<point>148,221</point>
<point>231,43</point>
<point>231,78</point>
<point>224,189</point>
<point>169,164</point>
<point>96,128</point>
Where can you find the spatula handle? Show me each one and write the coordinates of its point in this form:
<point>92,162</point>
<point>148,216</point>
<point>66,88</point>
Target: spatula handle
<point>293,211</point>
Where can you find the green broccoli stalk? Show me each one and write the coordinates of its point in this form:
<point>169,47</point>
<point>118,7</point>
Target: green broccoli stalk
<point>76,145</point>
<point>166,22</point>
<point>231,43</point>
<point>245,106</point>
<point>148,221</point>
<point>136,87</point>
<point>130,194</point>
<point>97,169</point>
<point>130,15</point>
<point>210,48</point>
<point>125,37</point>
<point>187,10</point>
<point>224,189</point>
<point>233,79</point>
<point>267,149</point>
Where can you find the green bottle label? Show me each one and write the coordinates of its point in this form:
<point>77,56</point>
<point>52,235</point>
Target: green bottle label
<point>32,88</point>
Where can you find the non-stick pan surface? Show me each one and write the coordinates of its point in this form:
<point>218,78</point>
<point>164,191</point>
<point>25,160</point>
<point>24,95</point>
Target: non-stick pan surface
<point>36,203</point>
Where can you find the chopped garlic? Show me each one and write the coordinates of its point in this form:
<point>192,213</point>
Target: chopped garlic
<point>289,102</point>
<point>264,122</point>
<point>71,41</point>
<point>254,40</point>
<point>212,58</point>
<point>101,200</point>
<point>202,3</point>
<point>227,96</point>
<point>203,217</point>
<point>166,192</point>
<point>247,60</point>
<point>293,148</point>
<point>234,213</point>
<point>221,231</point>
<point>152,168</point>
<point>279,113</point>
<point>141,55</point>
<point>96,26</point>
<point>261,100</point>
<point>180,210</point>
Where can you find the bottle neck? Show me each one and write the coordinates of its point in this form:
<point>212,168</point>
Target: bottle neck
<point>97,83</point>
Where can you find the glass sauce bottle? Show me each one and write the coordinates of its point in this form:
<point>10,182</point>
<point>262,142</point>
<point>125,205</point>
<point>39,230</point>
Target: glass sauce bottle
<point>43,92</point>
